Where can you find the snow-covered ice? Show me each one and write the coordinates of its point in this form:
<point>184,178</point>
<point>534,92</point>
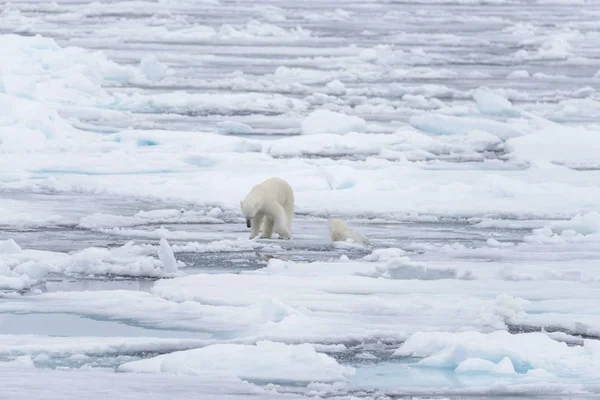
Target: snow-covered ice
<point>261,362</point>
<point>460,137</point>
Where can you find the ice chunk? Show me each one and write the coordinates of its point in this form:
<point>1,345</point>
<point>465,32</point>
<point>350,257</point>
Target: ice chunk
<point>33,269</point>
<point>438,124</point>
<point>351,144</point>
<point>229,127</point>
<point>492,103</point>
<point>584,224</point>
<point>369,55</point>
<point>519,74</point>
<point>47,346</point>
<point>223,246</point>
<point>478,365</point>
<point>256,30</point>
<point>507,353</point>
<point>127,260</point>
<point>266,362</point>
<point>165,253</point>
<point>336,87</point>
<point>215,212</point>
<point>153,69</point>
<point>161,216</point>
<point>405,268</point>
<point>9,246</point>
<point>18,362</point>
<point>339,177</point>
<point>495,243</point>
<point>384,254</point>
<point>585,228</point>
<point>575,147</point>
<point>325,121</point>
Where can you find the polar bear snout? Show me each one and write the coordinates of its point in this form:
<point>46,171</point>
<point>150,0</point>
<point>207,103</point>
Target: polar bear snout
<point>248,223</point>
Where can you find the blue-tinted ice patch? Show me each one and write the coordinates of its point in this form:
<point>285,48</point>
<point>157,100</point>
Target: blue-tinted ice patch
<point>247,147</point>
<point>147,142</point>
<point>389,375</point>
<point>344,184</point>
<point>339,178</point>
<point>201,161</point>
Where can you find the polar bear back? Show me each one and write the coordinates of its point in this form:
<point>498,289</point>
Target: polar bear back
<point>273,190</point>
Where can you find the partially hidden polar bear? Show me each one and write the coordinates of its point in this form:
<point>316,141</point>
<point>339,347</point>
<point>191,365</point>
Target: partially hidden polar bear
<point>340,232</point>
<point>272,203</point>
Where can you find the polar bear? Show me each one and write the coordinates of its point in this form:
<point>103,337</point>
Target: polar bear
<point>340,232</point>
<point>271,202</point>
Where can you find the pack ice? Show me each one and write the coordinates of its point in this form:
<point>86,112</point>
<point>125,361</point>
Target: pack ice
<point>460,137</point>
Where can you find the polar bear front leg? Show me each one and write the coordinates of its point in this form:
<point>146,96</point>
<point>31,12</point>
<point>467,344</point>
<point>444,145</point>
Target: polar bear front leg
<point>282,223</point>
<point>267,228</point>
<point>255,225</point>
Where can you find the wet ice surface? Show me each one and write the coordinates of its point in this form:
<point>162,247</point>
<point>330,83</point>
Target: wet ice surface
<point>470,161</point>
<point>457,242</point>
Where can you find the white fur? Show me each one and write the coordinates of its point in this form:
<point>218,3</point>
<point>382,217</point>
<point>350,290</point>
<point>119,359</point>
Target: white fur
<point>271,202</point>
<point>340,232</point>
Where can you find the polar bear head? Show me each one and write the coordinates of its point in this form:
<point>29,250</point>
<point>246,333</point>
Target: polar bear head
<point>249,209</point>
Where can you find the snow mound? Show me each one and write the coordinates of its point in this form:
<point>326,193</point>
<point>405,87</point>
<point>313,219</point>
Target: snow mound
<point>325,121</point>
<point>469,351</point>
<point>266,362</point>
